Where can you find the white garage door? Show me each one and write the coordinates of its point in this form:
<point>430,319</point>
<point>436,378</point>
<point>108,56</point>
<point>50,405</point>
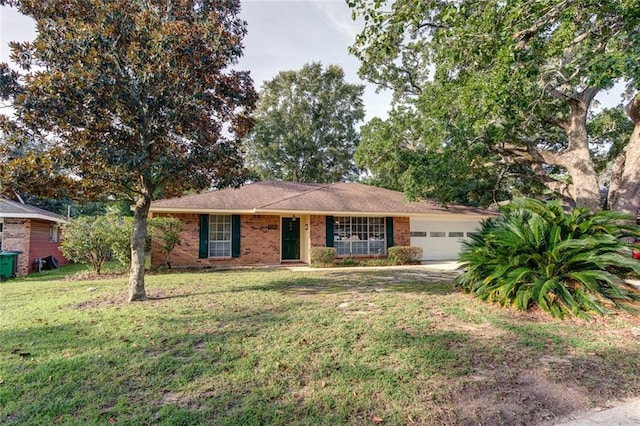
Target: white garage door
<point>440,239</point>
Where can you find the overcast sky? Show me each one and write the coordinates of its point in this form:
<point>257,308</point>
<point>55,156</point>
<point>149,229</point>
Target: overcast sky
<point>283,35</point>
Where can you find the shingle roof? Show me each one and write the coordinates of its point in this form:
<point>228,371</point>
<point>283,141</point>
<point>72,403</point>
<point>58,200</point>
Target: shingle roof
<point>295,197</point>
<point>12,209</point>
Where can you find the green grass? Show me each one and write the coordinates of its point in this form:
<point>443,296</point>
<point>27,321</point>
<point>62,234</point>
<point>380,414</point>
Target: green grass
<point>272,346</point>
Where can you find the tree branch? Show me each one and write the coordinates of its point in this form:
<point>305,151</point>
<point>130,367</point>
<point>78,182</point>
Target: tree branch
<point>527,34</point>
<point>633,109</point>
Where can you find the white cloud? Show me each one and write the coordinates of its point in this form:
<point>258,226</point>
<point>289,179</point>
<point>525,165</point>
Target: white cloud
<point>338,16</point>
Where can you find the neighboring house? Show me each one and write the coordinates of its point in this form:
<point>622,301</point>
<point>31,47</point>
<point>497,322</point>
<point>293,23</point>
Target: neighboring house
<point>30,230</point>
<point>274,222</point>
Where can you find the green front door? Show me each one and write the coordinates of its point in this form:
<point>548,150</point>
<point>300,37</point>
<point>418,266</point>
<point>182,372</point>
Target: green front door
<point>290,238</point>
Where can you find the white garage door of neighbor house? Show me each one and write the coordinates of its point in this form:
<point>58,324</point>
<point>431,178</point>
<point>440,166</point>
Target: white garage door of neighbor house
<point>440,239</point>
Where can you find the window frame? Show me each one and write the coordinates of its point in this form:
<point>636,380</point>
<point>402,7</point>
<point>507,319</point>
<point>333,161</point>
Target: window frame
<point>54,233</point>
<point>365,232</point>
<point>218,227</point>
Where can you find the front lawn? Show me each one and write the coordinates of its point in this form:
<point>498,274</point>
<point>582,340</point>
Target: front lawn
<point>272,346</point>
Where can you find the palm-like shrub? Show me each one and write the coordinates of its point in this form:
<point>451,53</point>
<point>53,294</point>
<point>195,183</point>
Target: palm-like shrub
<point>535,253</point>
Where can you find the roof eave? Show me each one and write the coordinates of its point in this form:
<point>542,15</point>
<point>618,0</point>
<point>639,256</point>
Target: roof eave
<point>462,216</point>
<point>469,215</point>
<point>199,210</point>
<point>33,216</point>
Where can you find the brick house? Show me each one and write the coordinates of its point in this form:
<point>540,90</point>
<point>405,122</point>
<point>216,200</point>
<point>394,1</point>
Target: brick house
<point>274,222</point>
<point>34,232</point>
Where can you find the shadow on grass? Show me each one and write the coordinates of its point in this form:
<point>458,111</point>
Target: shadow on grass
<point>93,372</point>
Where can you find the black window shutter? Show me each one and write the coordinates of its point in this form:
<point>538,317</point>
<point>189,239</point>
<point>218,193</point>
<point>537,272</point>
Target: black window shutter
<point>235,235</point>
<point>389,232</point>
<point>203,248</point>
<point>329,227</point>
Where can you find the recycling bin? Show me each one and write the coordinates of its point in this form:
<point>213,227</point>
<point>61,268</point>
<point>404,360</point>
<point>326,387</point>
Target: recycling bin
<point>8,264</point>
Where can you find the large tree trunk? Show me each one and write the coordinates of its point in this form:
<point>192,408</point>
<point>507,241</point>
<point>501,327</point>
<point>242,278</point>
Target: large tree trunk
<point>624,191</point>
<point>584,188</point>
<point>138,240</point>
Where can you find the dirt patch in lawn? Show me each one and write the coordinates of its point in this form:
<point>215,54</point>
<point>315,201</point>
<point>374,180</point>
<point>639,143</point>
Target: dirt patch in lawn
<point>505,396</point>
<point>92,276</point>
<point>536,381</point>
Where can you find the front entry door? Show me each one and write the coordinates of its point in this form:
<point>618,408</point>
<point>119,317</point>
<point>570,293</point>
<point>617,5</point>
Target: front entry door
<point>290,238</point>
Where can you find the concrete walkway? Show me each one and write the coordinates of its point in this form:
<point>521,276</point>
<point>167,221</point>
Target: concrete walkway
<point>627,414</point>
<point>449,265</point>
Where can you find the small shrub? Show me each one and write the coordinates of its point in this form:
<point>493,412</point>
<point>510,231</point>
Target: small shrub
<point>120,239</point>
<point>404,255</point>
<point>167,230</point>
<point>567,263</point>
<point>88,240</point>
<point>95,239</point>
<point>322,255</point>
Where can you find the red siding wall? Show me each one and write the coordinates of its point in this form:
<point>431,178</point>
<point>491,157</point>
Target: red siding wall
<point>40,245</point>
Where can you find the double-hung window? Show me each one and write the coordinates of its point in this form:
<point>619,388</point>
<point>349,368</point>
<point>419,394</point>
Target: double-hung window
<point>53,233</point>
<point>359,236</point>
<point>220,236</point>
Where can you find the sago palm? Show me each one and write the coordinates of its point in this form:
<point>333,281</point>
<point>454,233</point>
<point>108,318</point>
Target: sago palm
<point>536,253</point>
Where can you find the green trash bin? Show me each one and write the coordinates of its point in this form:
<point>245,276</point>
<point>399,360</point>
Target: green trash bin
<point>8,264</point>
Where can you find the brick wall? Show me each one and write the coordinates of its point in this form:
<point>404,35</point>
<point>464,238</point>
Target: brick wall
<point>15,237</point>
<point>318,231</point>
<point>401,231</point>
<point>259,243</point>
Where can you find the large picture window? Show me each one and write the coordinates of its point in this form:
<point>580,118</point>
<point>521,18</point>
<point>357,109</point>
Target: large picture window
<point>220,236</point>
<point>359,236</point>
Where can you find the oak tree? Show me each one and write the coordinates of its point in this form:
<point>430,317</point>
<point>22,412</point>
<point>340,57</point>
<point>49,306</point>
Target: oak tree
<point>306,126</point>
<point>129,99</point>
<point>516,80</point>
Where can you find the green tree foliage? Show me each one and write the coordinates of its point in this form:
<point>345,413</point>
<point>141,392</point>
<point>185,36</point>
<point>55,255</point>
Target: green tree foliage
<point>399,158</point>
<point>306,126</point>
<point>129,99</point>
<point>609,130</point>
<point>88,239</point>
<point>507,87</point>
<point>120,238</point>
<point>535,253</point>
<point>167,230</point>
<point>66,206</point>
